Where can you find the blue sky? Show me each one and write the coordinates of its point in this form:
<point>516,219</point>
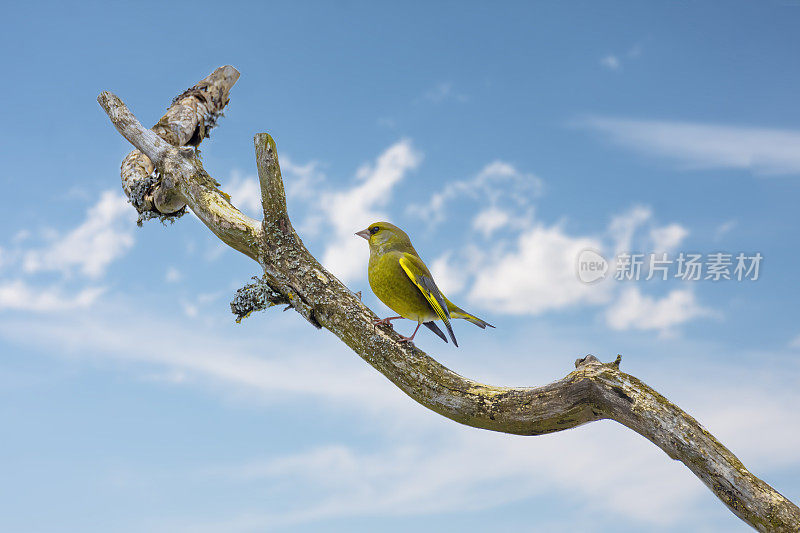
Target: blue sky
<point>504,140</point>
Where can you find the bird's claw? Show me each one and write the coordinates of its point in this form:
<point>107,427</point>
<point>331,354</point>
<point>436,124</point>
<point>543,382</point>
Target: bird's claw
<point>404,340</point>
<point>382,322</point>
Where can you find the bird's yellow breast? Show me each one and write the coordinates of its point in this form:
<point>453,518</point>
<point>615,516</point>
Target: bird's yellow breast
<point>393,287</point>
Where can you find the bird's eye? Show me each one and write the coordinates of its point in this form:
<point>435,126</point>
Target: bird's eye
<point>373,230</point>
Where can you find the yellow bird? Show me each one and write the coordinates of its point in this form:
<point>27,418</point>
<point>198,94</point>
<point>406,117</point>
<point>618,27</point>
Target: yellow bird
<point>401,280</point>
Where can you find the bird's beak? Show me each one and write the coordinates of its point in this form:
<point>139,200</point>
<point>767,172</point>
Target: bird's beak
<point>363,233</point>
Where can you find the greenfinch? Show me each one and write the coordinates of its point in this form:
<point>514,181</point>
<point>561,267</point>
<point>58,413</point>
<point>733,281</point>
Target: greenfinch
<point>401,280</point>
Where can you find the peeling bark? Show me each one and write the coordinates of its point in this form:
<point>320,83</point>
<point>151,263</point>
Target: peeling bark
<point>593,391</point>
<point>188,121</point>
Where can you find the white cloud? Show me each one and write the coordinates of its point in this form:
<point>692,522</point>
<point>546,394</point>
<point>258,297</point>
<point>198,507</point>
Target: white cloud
<point>175,377</point>
<point>499,184</point>
<point>538,274</point>
<point>428,475</point>
<point>450,278</point>
<point>439,92</point>
<point>215,250</point>
<point>173,275</point>
<point>18,295</point>
<point>192,306</point>
<point>611,62</point>
<point>667,238</point>
<point>795,342</point>
<point>190,309</point>
<point>442,92</point>
<point>245,193</point>
<point>301,181</point>
<point>755,419</point>
<point>21,236</point>
<point>634,310</point>
<point>490,220</point>
<point>622,227</point>
<point>724,228</point>
<point>105,235</point>
<point>700,145</point>
<point>354,209</point>
<point>229,360</point>
<point>532,270</point>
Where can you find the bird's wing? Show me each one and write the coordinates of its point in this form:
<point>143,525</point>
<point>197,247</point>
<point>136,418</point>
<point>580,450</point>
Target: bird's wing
<point>417,272</point>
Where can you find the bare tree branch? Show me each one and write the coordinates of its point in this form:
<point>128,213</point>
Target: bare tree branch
<point>183,177</point>
<point>188,121</point>
<point>594,391</point>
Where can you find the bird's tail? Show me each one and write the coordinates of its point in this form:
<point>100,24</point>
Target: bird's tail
<point>434,328</point>
<point>457,312</point>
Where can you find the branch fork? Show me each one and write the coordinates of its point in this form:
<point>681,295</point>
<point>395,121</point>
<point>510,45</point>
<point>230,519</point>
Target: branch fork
<point>593,391</point>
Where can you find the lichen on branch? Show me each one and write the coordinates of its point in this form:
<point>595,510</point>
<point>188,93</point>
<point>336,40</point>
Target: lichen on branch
<point>253,297</point>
